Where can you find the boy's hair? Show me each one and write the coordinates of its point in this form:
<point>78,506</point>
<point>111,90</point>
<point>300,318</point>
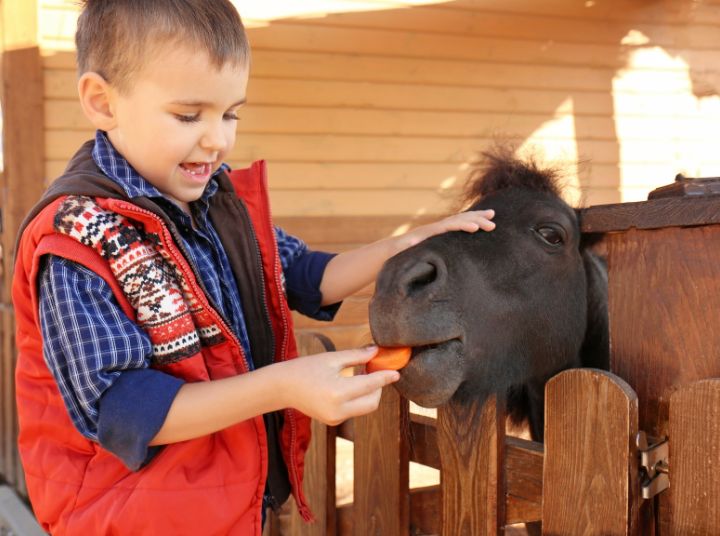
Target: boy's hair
<point>114,37</point>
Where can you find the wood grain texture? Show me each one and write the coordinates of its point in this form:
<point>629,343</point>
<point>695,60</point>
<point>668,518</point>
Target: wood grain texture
<point>21,183</point>
<point>471,443</point>
<point>381,469</point>
<point>664,295</point>
<point>524,480</point>
<point>682,212</point>
<point>590,476</point>
<point>425,505</point>
<point>694,456</point>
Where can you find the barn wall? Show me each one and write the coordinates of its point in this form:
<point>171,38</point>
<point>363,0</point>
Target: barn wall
<point>368,110</point>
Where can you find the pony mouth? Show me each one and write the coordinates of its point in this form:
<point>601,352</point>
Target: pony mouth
<point>434,348</point>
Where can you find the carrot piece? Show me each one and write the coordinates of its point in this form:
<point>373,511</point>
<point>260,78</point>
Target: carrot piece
<point>389,358</point>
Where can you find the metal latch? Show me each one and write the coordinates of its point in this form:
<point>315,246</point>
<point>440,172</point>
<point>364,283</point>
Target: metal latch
<point>653,464</point>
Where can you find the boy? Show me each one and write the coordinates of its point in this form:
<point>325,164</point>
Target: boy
<point>156,386</point>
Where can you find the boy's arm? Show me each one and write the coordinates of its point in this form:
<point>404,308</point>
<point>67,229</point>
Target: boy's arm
<point>314,384</point>
<point>352,270</point>
<point>99,359</point>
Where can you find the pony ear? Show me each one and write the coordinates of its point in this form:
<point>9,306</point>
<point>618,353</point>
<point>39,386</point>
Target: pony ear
<point>595,349</point>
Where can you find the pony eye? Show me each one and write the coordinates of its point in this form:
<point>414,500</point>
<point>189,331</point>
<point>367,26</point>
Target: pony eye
<point>550,235</point>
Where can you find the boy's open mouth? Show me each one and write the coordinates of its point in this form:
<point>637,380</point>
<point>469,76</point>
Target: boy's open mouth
<point>197,169</point>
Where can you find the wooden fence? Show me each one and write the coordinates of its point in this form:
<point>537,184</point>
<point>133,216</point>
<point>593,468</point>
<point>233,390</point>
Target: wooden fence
<point>586,479</point>
<point>632,451</point>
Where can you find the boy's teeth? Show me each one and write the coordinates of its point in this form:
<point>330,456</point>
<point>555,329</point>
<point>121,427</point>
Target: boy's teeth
<point>196,169</point>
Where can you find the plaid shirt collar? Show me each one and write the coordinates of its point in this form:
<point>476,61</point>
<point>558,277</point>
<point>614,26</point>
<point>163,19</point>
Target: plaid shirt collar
<point>114,165</point>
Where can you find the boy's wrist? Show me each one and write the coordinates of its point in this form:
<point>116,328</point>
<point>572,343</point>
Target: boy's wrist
<point>407,240</point>
<point>281,382</point>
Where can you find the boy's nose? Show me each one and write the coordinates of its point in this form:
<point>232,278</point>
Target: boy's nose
<point>214,139</point>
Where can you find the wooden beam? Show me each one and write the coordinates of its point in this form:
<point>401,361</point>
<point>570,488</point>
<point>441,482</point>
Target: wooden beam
<point>654,214</point>
<point>21,183</point>
<point>523,480</point>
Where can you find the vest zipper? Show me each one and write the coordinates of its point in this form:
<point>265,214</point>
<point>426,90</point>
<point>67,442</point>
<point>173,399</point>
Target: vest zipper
<point>302,506</point>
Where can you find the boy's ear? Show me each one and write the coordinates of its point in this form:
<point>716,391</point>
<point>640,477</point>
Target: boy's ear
<point>96,99</point>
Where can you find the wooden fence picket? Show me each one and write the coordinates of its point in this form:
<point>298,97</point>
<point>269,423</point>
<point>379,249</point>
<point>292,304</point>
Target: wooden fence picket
<point>381,469</point>
<point>694,436</point>
<point>471,440</point>
<point>590,482</point>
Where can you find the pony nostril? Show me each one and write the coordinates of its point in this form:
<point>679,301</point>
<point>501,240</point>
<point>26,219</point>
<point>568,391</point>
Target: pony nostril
<point>418,278</point>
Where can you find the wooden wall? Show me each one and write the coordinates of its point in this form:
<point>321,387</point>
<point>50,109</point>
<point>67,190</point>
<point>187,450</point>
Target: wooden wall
<point>368,110</point>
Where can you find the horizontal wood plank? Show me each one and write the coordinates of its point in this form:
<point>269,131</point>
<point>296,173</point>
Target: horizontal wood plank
<point>523,480</point>
<point>60,83</point>
<point>656,213</point>
<point>326,148</point>
<point>66,114</point>
<point>491,20</point>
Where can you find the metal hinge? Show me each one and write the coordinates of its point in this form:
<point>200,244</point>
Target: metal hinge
<point>654,465</point>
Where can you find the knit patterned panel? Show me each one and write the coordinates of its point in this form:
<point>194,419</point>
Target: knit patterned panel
<point>166,308</point>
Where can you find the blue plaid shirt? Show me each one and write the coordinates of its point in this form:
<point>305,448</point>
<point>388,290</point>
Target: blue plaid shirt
<point>90,345</point>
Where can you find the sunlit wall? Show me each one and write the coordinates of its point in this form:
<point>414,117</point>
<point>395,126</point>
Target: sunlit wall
<point>371,107</point>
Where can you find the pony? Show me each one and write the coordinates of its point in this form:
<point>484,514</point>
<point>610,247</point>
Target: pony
<point>501,311</point>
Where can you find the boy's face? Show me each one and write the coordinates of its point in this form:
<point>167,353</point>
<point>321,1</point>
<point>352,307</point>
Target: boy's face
<point>177,121</point>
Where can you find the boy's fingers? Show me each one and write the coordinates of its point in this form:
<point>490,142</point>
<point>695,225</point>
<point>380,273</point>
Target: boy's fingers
<point>486,213</point>
<point>480,219</point>
<point>362,405</point>
<point>487,225</point>
<point>365,384</point>
<point>357,356</point>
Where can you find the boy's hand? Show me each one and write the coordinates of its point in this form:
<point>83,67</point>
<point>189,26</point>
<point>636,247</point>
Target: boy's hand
<point>316,385</point>
<point>470,222</point>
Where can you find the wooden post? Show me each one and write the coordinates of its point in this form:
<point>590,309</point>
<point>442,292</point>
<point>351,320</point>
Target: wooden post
<point>590,479</point>
<point>694,457</point>
<point>21,184</point>
<point>381,469</point>
<point>664,295</point>
<point>471,439</point>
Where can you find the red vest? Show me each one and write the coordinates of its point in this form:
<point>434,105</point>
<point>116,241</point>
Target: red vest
<point>205,486</point>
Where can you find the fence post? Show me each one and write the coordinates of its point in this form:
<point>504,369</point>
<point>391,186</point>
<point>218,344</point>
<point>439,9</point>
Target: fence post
<point>21,183</point>
<point>590,477</point>
<point>694,437</point>
<point>471,439</point>
<point>381,503</point>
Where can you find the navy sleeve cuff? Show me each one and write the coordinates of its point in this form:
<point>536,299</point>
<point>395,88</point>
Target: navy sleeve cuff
<point>302,281</point>
<point>132,411</point>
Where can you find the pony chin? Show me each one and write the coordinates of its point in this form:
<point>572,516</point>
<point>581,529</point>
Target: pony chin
<point>433,375</point>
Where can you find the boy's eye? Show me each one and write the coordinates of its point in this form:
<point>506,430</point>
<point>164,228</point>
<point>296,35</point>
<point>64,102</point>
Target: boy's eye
<point>231,116</point>
<point>187,118</point>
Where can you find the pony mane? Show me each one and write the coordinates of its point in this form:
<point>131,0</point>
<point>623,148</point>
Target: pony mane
<point>500,169</point>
